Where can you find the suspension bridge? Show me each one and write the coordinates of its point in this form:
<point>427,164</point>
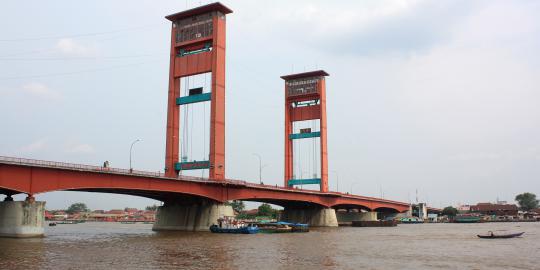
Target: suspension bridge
<point>194,186</point>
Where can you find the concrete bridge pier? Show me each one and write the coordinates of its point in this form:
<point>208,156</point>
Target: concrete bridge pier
<point>348,217</point>
<point>194,216</point>
<point>22,219</point>
<point>315,217</point>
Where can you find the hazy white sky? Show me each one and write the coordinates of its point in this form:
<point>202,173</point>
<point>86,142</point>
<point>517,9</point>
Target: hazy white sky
<point>436,96</point>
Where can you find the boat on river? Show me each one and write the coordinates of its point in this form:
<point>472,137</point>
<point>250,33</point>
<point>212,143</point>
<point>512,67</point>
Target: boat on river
<point>299,227</point>
<point>491,235</point>
<point>411,220</point>
<point>282,227</point>
<point>467,219</point>
<point>250,229</point>
<point>67,222</point>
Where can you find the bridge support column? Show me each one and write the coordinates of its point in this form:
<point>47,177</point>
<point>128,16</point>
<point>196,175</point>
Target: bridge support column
<point>346,218</point>
<point>190,217</point>
<point>22,219</point>
<point>315,217</point>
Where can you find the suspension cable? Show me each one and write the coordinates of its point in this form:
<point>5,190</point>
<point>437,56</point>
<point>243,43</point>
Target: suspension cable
<point>205,157</point>
<point>298,149</point>
<point>183,111</point>
<point>313,150</point>
<point>191,132</point>
<point>186,121</point>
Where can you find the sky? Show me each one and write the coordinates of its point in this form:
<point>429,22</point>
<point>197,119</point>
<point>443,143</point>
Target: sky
<point>435,98</point>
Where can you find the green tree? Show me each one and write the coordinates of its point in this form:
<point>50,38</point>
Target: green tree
<point>151,208</point>
<point>244,215</point>
<point>77,208</point>
<point>527,201</point>
<point>266,210</point>
<point>237,206</point>
<point>450,211</point>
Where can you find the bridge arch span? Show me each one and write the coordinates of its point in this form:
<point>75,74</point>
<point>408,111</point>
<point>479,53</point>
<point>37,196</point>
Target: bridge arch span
<point>159,195</point>
<point>285,203</point>
<point>368,203</point>
<point>276,197</point>
<point>387,210</point>
<point>36,180</point>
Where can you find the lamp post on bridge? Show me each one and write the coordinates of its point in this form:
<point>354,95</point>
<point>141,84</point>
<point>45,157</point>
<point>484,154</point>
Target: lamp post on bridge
<point>260,167</point>
<point>130,153</point>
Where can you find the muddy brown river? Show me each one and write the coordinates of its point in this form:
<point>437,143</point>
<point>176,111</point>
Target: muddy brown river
<point>408,246</point>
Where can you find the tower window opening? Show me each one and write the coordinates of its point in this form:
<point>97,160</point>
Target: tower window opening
<point>305,130</point>
<point>195,91</point>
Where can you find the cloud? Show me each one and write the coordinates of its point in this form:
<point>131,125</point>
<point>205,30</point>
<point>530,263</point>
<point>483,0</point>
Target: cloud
<point>363,28</point>
<point>79,148</point>
<point>411,28</point>
<point>71,47</point>
<point>40,90</point>
<point>33,147</point>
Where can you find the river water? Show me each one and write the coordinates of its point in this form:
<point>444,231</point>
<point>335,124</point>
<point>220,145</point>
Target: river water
<point>408,246</point>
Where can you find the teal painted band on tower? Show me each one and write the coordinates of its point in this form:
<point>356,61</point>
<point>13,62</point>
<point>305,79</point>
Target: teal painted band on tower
<point>295,182</point>
<point>192,165</point>
<point>194,99</point>
<point>295,136</point>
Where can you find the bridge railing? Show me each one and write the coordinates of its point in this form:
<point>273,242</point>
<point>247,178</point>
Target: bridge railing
<point>66,165</point>
<point>75,166</point>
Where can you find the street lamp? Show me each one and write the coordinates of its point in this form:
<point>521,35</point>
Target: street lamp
<point>130,153</point>
<point>337,180</point>
<point>260,167</point>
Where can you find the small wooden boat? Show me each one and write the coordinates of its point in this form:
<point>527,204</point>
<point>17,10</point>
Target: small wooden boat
<point>241,230</point>
<point>491,235</point>
<point>52,224</point>
<point>467,219</point>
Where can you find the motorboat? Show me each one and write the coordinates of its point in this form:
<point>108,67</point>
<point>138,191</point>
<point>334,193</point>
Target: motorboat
<point>249,229</point>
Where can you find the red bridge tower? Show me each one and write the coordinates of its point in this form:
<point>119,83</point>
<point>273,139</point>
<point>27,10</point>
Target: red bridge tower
<point>197,47</point>
<point>305,99</point>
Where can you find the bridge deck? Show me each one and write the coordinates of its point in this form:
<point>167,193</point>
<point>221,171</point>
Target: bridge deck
<point>237,184</point>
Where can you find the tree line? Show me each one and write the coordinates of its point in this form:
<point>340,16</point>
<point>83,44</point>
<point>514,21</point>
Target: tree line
<point>526,201</point>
